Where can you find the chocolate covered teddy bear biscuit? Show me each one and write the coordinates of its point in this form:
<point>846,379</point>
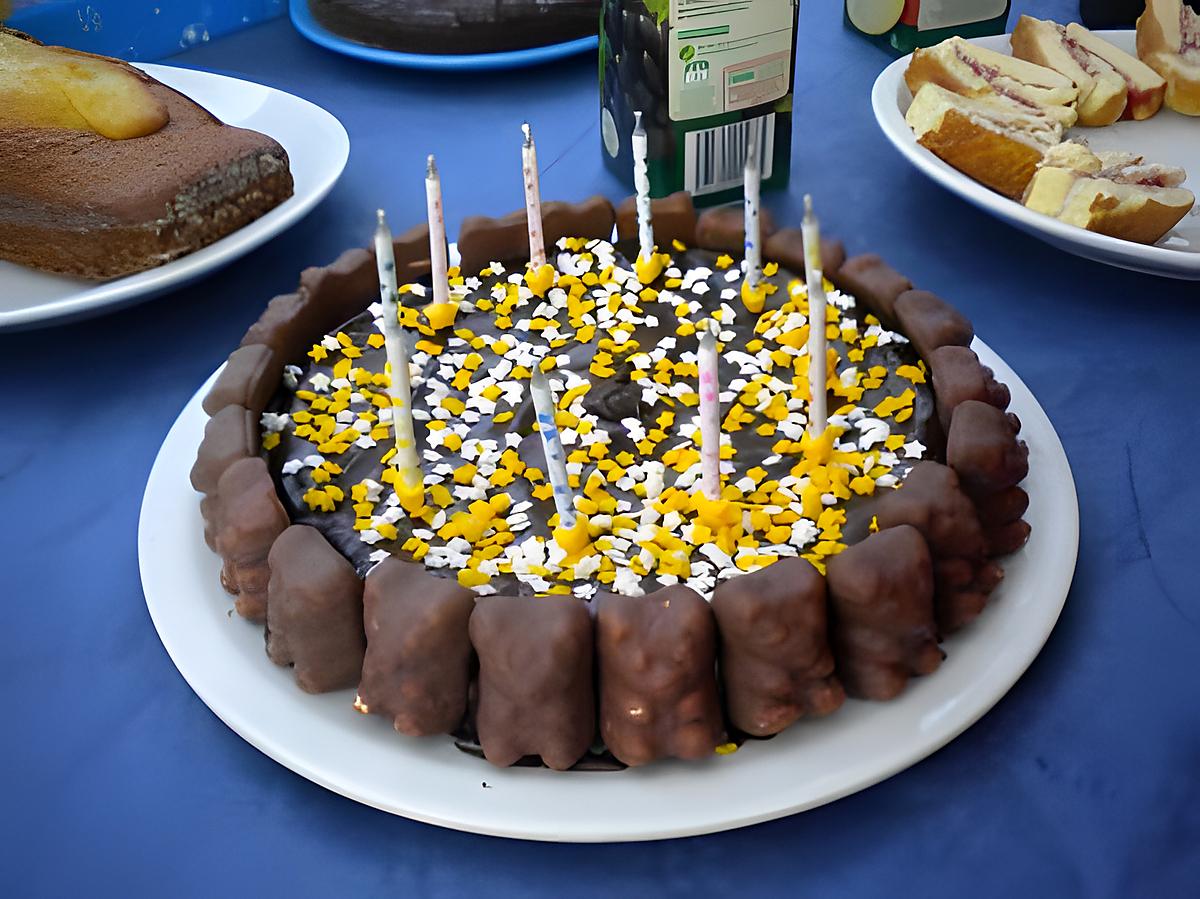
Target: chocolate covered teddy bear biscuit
<point>1002,506</point>
<point>314,614</point>
<point>658,685</point>
<point>286,325</point>
<point>249,378</point>
<point>786,246</point>
<point>674,218</point>
<point>536,692</point>
<point>881,613</point>
<point>958,376</point>
<point>776,664</point>
<point>929,322</point>
<point>932,502</point>
<point>343,287</point>
<point>231,434</point>
<point>1000,513</point>
<point>990,459</point>
<point>961,590</point>
<point>417,669</point>
<point>873,282</point>
<point>724,228</point>
<point>329,295</point>
<point>1005,539</point>
<point>983,448</point>
<point>249,518</point>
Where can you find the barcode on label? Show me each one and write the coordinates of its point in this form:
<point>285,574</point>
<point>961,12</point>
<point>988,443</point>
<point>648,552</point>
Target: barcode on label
<point>714,159</point>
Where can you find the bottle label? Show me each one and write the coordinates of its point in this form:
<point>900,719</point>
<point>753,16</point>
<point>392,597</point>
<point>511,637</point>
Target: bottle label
<point>714,159</point>
<point>725,57</point>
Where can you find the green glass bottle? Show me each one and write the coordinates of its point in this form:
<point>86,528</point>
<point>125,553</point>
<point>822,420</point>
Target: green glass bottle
<point>904,25</point>
<point>707,77</point>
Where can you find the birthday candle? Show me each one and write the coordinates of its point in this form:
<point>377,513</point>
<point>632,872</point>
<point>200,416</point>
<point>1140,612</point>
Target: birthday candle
<point>710,413</point>
<point>385,260</point>
<point>437,232</point>
<point>641,182</point>
<point>811,232</point>
<point>533,199</point>
<point>753,184</point>
<point>556,460</point>
<point>399,387</point>
<point>817,411</point>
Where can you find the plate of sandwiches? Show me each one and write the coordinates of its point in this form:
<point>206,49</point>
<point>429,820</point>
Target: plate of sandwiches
<point>1087,140</point>
<point>120,183</point>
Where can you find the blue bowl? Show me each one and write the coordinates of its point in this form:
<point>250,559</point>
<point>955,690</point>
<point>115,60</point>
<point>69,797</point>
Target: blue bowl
<point>303,19</point>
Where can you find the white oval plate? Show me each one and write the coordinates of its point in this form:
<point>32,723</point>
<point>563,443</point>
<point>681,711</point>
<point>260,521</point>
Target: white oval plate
<point>325,740</point>
<point>317,147</point>
<point>1168,138</point>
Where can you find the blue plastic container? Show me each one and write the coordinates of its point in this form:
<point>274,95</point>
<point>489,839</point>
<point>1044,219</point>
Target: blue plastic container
<point>137,29</point>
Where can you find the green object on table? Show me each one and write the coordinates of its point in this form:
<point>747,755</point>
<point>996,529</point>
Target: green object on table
<point>710,79</point>
<point>902,26</point>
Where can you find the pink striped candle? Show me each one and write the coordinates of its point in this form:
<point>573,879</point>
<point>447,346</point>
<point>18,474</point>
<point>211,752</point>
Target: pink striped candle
<point>533,199</point>
<point>710,412</point>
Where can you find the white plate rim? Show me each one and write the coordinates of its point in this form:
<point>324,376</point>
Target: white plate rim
<point>95,298</point>
<point>1098,247</point>
<point>681,799</point>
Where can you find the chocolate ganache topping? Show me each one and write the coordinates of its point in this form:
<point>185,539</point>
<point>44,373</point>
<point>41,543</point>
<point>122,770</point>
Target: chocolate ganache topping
<point>619,343</point>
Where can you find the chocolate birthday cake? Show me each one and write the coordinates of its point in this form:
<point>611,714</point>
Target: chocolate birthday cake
<point>666,623</point>
<point>458,26</point>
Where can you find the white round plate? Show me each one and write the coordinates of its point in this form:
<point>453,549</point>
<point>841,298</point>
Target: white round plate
<point>814,762</point>
<point>1168,138</point>
<point>317,147</point>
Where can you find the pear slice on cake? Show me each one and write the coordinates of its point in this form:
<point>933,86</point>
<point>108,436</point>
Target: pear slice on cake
<point>50,87</point>
<point>1168,40</point>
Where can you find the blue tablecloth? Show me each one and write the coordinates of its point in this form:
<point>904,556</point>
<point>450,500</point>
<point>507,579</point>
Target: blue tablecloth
<point>1083,781</point>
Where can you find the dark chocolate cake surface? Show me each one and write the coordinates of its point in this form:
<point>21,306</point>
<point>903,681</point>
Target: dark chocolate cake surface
<point>458,26</point>
<point>622,361</point>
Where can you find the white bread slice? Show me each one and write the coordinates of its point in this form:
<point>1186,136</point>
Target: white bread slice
<point>1102,89</point>
<point>1144,85</point>
<point>994,140</point>
<point>1168,40</point>
<point>1109,193</point>
<point>972,71</point>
